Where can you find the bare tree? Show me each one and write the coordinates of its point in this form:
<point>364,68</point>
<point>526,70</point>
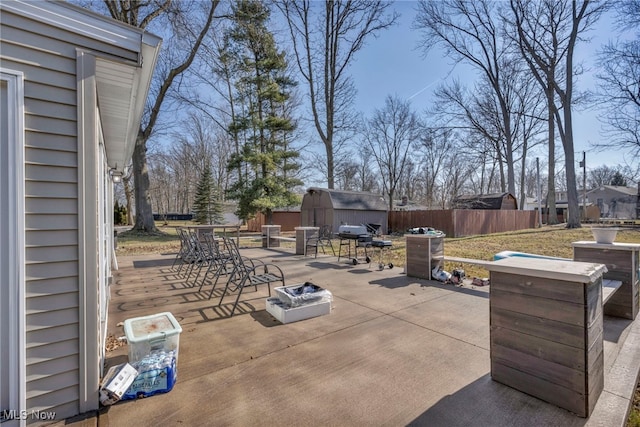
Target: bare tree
<point>528,125</point>
<point>548,31</point>
<point>410,179</point>
<point>478,113</point>
<point>620,85</point>
<point>543,55</point>
<point>453,179</point>
<point>347,176</point>
<point>179,20</point>
<point>436,146</point>
<point>603,175</point>
<point>128,194</point>
<point>473,114</point>
<point>390,134</point>
<point>325,44</point>
<point>467,32</point>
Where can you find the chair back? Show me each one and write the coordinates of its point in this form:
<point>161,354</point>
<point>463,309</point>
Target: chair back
<point>325,232</point>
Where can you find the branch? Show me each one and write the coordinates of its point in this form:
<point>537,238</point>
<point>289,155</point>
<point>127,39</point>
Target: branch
<point>175,72</point>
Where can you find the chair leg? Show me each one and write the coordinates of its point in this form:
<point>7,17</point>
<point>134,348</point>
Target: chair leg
<point>215,283</point>
<point>240,288</point>
<point>236,303</point>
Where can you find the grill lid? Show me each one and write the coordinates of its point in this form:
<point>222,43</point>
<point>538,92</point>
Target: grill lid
<point>353,230</point>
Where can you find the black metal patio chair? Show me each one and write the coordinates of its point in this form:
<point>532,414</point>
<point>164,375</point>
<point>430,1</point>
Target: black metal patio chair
<point>220,263</point>
<point>320,239</point>
<point>247,272</point>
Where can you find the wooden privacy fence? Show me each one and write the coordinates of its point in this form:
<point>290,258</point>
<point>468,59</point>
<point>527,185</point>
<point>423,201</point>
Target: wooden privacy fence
<point>454,222</point>
<point>463,222</point>
<point>287,220</point>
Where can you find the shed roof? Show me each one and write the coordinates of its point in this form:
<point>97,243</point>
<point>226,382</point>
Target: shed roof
<point>354,200</point>
<point>485,201</point>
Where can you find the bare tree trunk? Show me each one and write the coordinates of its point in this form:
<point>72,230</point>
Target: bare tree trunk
<point>140,14</point>
<point>573,220</point>
<point>128,193</point>
<point>552,214</point>
<point>144,212</point>
<point>523,174</point>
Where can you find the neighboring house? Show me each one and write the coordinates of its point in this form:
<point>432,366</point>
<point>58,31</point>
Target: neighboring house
<point>73,86</point>
<point>500,201</point>
<point>562,196</point>
<point>615,201</point>
<point>562,210</point>
<point>530,204</point>
<point>321,206</point>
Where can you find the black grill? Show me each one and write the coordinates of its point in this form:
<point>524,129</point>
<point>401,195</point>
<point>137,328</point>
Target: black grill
<point>361,235</point>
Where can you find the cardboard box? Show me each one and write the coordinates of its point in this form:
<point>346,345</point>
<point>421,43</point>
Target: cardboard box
<point>286,314</point>
<point>116,383</point>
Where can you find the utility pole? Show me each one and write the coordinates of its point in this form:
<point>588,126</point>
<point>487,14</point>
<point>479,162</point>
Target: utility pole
<point>583,165</point>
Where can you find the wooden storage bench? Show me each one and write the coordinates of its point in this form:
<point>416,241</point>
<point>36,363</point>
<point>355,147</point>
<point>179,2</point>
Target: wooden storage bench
<point>622,262</point>
<point>546,335</point>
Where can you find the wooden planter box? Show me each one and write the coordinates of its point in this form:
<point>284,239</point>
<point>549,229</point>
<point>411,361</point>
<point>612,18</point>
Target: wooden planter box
<point>622,262</point>
<point>270,234</point>
<point>546,330</point>
<point>423,252</point>
<point>302,234</point>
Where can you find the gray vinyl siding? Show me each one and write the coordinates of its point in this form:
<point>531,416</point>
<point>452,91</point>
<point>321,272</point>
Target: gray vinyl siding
<point>59,40</point>
<point>47,57</point>
<point>62,336</point>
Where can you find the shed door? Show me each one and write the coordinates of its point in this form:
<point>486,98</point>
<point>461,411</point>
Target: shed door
<point>318,217</point>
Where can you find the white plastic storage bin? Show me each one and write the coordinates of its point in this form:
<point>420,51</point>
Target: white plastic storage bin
<point>151,333</point>
<point>287,314</point>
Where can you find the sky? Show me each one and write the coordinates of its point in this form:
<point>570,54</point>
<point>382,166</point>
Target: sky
<point>392,64</point>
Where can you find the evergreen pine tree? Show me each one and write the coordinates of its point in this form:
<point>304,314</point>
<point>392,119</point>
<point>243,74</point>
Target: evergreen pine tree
<point>266,159</point>
<point>618,179</point>
<point>203,199</point>
<point>216,211</point>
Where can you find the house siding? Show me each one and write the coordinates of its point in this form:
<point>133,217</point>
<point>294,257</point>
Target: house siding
<point>47,57</point>
<point>51,52</point>
<point>615,202</point>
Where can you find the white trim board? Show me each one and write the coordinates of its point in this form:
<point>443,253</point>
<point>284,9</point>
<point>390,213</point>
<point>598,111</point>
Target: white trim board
<point>15,242</point>
<point>87,232</point>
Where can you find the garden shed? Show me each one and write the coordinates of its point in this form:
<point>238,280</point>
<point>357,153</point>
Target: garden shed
<point>321,206</point>
<point>496,201</point>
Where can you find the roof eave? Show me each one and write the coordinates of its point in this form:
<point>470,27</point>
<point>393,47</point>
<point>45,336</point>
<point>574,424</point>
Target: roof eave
<point>121,111</point>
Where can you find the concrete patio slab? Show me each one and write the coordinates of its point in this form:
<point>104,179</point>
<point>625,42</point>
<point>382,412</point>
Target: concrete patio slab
<point>394,351</point>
